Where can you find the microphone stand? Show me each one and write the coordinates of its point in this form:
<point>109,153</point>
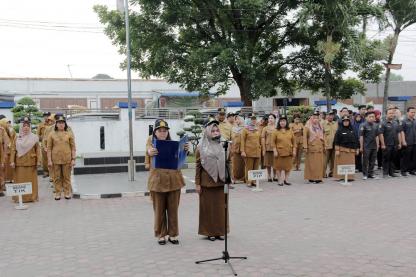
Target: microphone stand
<point>225,255</point>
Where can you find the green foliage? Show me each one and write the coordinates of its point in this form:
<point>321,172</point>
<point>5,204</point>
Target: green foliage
<point>27,107</point>
<point>304,111</point>
<point>193,129</point>
<point>205,45</point>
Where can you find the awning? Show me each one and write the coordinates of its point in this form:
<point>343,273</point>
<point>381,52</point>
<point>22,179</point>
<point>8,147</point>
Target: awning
<point>231,104</point>
<point>7,105</point>
<point>179,94</point>
<point>400,98</point>
<point>125,105</point>
<point>323,102</point>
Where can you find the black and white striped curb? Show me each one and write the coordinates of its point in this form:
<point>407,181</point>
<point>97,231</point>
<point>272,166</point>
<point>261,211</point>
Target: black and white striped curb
<point>120,195</point>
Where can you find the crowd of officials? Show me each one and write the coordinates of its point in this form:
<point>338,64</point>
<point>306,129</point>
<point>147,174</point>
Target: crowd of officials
<point>326,139</point>
<point>52,147</point>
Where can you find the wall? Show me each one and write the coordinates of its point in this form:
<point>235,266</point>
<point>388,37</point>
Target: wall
<point>87,134</point>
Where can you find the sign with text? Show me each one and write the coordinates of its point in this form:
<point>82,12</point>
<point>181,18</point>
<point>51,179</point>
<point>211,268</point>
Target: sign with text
<point>346,169</point>
<point>18,189</point>
<point>257,175</point>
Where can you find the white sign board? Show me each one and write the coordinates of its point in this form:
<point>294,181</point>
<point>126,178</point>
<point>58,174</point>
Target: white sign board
<point>254,175</point>
<point>18,189</point>
<point>346,169</point>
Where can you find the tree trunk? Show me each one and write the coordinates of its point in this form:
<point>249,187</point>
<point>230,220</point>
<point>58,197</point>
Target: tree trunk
<point>389,61</point>
<point>245,91</point>
<point>328,87</point>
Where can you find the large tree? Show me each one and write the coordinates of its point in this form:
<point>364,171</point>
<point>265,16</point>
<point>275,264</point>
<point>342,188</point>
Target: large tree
<point>207,44</point>
<point>333,44</point>
<point>400,15</point>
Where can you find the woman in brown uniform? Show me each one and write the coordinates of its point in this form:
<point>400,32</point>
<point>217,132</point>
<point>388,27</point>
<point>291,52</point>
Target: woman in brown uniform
<point>209,179</point>
<point>346,147</point>
<point>61,157</point>
<point>267,147</point>
<point>297,129</point>
<point>25,156</point>
<point>165,189</point>
<point>251,147</point>
<point>313,145</point>
<point>283,147</point>
<point>238,164</point>
<point>6,143</point>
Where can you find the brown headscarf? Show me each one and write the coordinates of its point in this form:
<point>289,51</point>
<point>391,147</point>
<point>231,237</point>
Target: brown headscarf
<point>25,141</point>
<point>212,155</point>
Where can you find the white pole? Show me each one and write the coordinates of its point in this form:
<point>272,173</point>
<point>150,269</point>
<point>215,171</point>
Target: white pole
<point>21,206</point>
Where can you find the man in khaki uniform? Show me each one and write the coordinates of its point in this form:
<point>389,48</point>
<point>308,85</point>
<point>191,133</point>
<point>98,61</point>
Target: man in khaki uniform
<point>47,131</point>
<point>4,142</point>
<point>297,129</point>
<point>251,147</point>
<point>41,132</point>
<point>330,128</point>
<point>61,157</point>
<point>224,126</point>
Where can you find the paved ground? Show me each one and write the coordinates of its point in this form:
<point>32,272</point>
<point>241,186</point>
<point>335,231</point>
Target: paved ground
<point>367,229</point>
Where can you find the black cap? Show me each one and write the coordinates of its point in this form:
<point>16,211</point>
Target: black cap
<point>282,117</point>
<point>25,119</point>
<point>252,115</point>
<point>58,114</point>
<point>60,118</point>
<point>370,107</point>
<point>331,113</point>
<point>46,114</point>
<point>221,110</point>
<point>316,113</point>
<point>160,123</point>
<point>211,121</point>
<point>362,107</point>
<point>346,117</point>
<point>266,117</point>
<point>230,114</point>
<point>296,116</point>
<point>2,116</point>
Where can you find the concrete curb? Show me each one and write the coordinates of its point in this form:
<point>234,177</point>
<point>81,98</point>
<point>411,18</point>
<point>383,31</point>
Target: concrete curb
<point>120,195</point>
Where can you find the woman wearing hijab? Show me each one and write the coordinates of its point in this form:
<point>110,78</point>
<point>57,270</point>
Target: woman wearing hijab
<point>165,189</point>
<point>24,158</point>
<point>238,164</point>
<point>313,145</point>
<point>61,157</point>
<point>209,179</point>
<point>251,147</point>
<point>267,147</point>
<point>283,143</point>
<point>346,147</point>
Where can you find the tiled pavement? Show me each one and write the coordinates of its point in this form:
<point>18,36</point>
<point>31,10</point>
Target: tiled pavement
<point>367,229</point>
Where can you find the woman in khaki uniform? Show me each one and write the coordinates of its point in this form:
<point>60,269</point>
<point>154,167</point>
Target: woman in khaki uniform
<point>4,149</point>
<point>313,145</point>
<point>238,164</point>
<point>210,176</point>
<point>297,129</point>
<point>346,147</point>
<point>267,147</point>
<point>283,143</point>
<point>165,189</point>
<point>41,133</point>
<point>61,157</point>
<point>24,158</point>
<point>251,147</point>
<point>48,130</point>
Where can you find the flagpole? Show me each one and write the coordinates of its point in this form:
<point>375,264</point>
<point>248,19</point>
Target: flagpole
<point>131,163</point>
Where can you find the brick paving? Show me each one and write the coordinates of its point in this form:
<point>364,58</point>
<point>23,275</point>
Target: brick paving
<point>367,229</point>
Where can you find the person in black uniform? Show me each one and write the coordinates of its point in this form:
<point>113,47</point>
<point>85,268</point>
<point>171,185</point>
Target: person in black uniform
<point>369,144</point>
<point>408,135</point>
<point>389,135</point>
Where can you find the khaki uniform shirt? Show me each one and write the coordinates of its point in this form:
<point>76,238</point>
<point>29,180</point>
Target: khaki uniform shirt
<point>251,143</point>
<point>330,129</point>
<point>315,146</point>
<point>283,142</point>
<point>267,137</point>
<point>225,129</point>
<point>61,145</point>
<point>4,145</point>
<point>31,158</point>
<point>236,139</point>
<point>297,129</point>
<point>147,159</point>
<point>41,130</point>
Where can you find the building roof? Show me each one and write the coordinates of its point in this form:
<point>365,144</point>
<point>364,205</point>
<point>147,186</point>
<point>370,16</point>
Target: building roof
<point>7,104</point>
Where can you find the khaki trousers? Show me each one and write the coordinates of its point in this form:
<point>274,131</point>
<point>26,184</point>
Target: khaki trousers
<point>298,158</point>
<point>45,162</point>
<point>251,164</point>
<point>62,179</point>
<point>329,160</point>
<point>165,207</point>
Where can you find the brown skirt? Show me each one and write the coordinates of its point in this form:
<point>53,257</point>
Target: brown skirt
<point>344,158</point>
<point>211,211</point>
<point>283,163</point>
<point>25,174</point>
<point>238,167</point>
<point>314,166</point>
<point>268,159</point>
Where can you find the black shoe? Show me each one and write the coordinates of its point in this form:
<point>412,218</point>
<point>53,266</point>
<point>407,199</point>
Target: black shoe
<point>161,242</point>
<point>211,238</point>
<point>311,181</point>
<point>173,241</point>
<point>67,197</point>
<point>270,180</point>
<point>57,198</point>
<point>219,238</point>
<point>275,180</point>
<point>371,177</point>
<point>280,184</point>
<point>394,175</point>
<point>318,181</point>
<point>405,174</point>
<point>330,175</point>
<point>287,184</point>
<point>1,194</point>
<point>412,173</point>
